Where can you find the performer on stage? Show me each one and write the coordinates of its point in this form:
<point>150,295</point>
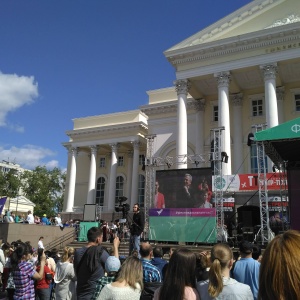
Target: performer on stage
<point>159,198</point>
<point>136,229</point>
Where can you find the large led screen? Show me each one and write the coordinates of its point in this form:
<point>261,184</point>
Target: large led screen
<point>183,188</point>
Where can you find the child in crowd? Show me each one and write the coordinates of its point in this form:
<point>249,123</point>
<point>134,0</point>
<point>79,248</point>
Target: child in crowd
<point>112,266</point>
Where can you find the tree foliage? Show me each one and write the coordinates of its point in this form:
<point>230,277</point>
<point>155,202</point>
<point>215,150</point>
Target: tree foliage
<point>45,188</point>
<point>10,183</point>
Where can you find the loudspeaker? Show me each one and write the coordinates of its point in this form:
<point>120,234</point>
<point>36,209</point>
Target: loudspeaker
<point>90,212</point>
<point>248,216</point>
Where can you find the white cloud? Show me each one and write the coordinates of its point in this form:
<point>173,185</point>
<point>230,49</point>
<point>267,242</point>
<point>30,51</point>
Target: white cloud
<point>15,91</point>
<point>29,156</point>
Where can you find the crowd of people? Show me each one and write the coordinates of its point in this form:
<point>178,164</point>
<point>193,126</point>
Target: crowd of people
<point>94,272</point>
<point>29,218</point>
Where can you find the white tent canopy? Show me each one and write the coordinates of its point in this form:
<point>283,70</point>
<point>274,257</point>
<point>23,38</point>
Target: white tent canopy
<point>19,204</point>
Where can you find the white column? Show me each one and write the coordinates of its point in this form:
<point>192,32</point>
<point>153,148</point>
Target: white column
<point>92,178</point>
<point>238,166</point>
<point>182,88</point>
<point>112,177</point>
<point>135,173</point>
<point>129,174</point>
<point>223,79</point>
<point>72,180</point>
<point>280,107</point>
<point>269,72</point>
<point>199,138</point>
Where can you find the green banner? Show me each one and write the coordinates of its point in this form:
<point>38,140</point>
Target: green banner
<point>183,229</point>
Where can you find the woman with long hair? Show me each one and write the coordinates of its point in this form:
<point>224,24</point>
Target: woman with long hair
<point>219,283</point>
<point>279,277</point>
<point>129,282</point>
<point>64,277</point>
<point>24,272</point>
<point>42,287</point>
<point>180,279</point>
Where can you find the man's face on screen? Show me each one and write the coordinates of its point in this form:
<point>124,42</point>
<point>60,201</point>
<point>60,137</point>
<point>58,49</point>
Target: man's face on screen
<point>187,181</point>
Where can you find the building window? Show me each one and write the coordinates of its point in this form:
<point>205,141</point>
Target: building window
<point>253,159</point>
<point>141,190</point>
<point>297,102</point>
<point>141,159</point>
<point>102,162</point>
<point>119,188</point>
<point>100,191</point>
<point>215,113</point>
<point>257,107</point>
<point>121,161</point>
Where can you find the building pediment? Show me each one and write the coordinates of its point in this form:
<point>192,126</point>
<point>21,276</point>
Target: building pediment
<point>254,17</point>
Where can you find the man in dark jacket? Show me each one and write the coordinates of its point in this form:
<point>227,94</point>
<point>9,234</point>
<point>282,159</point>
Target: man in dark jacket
<point>136,229</point>
<point>158,261</point>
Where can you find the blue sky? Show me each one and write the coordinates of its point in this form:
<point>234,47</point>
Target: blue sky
<point>61,60</point>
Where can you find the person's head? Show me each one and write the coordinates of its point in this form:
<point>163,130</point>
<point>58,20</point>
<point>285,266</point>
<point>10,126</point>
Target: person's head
<point>205,196</point>
<point>44,215</point>
<point>245,248</point>
<point>280,268</point>
<point>131,272</point>
<point>94,235</point>
<point>256,252</point>
<point>145,250</point>
<point>112,265</point>
<point>29,212</point>
<point>188,179</point>
<point>134,253</point>
<point>21,253</point>
<point>40,252</point>
<point>221,259</point>
<point>156,187</point>
<point>41,238</point>
<point>136,208</point>
<point>158,252</point>
<point>68,254</point>
<point>182,271</point>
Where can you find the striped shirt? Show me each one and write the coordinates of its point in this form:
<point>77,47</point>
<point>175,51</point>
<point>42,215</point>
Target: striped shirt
<point>150,272</point>
<point>23,281</point>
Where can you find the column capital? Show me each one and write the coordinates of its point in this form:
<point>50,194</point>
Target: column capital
<point>114,146</point>
<point>269,71</point>
<point>280,93</point>
<point>94,149</point>
<point>199,104</point>
<point>182,86</point>
<point>223,78</point>
<point>136,144</point>
<point>237,99</point>
<point>73,150</point>
<point>130,154</point>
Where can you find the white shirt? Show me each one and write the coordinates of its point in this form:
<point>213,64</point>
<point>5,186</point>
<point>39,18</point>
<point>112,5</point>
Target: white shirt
<point>30,219</point>
<point>57,221</point>
<point>40,244</point>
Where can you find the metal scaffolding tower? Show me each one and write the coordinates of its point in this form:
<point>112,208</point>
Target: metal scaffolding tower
<point>218,156</point>
<point>150,177</point>
<point>264,232</point>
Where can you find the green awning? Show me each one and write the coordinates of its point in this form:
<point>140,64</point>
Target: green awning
<point>287,130</point>
<point>282,142</point>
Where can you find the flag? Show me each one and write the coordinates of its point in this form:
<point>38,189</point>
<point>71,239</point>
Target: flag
<point>2,203</point>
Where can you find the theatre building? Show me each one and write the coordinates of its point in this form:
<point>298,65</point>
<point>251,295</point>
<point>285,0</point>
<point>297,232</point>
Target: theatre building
<point>241,73</point>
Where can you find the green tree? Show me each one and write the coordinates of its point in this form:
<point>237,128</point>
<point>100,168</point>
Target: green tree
<point>45,188</point>
<point>10,183</point>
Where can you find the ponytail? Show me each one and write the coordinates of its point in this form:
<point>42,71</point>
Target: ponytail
<point>221,255</point>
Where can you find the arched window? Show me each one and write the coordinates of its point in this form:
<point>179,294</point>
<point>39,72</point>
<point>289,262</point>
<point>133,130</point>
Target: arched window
<point>119,188</point>
<point>141,190</point>
<point>100,191</point>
